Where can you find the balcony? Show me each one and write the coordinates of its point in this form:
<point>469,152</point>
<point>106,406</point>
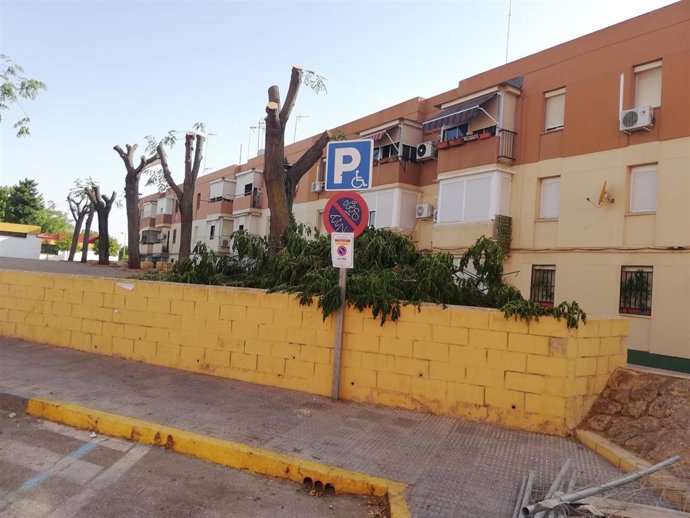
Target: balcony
<point>147,222</point>
<point>394,170</point>
<point>247,203</point>
<point>476,150</point>
<point>506,146</point>
<point>164,220</point>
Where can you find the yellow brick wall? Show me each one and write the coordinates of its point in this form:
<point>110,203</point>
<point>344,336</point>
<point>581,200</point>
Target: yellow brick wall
<point>457,361</point>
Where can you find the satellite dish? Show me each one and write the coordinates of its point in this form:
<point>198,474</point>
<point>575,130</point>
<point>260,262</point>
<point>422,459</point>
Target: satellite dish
<point>602,194</point>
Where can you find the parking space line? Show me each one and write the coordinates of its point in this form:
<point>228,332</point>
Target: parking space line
<point>39,478</point>
<point>111,475</point>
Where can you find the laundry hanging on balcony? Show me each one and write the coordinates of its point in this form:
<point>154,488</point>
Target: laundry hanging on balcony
<point>458,114</point>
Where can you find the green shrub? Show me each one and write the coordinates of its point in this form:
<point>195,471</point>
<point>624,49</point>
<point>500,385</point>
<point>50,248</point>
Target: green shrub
<point>389,273</point>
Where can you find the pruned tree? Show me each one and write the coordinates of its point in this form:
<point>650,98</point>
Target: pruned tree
<point>132,179</point>
<point>87,234</point>
<point>80,207</point>
<point>193,143</point>
<point>102,205</point>
<point>13,86</point>
<point>280,178</point>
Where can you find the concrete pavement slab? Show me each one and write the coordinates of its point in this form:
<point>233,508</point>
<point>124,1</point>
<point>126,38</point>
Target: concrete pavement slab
<point>454,468</point>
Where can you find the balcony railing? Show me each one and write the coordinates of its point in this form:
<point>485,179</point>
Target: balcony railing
<point>506,145</point>
<point>248,201</point>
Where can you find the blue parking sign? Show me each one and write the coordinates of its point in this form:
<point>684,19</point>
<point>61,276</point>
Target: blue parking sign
<point>349,164</point>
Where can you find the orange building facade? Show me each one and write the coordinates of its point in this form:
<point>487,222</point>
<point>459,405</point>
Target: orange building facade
<point>579,154</point>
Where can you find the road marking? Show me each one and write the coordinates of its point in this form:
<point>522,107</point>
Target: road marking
<point>39,478</point>
<point>39,460</point>
<point>111,475</point>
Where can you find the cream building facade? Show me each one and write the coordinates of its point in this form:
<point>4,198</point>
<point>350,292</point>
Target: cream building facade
<point>580,154</point>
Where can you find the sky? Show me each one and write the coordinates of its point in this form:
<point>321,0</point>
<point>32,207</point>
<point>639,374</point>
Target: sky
<point>120,70</point>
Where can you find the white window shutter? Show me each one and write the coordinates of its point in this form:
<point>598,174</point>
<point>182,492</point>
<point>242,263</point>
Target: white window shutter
<point>477,199</point>
<point>643,188</point>
<point>550,204</point>
<point>555,109</point>
<point>451,202</point>
<point>648,87</point>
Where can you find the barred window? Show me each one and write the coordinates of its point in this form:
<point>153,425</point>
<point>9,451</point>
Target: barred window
<point>636,290</point>
<point>543,286</point>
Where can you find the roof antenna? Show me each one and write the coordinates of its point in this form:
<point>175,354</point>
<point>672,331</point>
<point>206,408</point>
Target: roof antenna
<point>510,11</point>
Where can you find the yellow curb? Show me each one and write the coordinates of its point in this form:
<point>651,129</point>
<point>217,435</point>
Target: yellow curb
<point>672,488</point>
<point>227,453</point>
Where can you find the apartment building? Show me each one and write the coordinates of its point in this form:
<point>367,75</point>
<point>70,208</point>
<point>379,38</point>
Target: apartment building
<point>581,152</point>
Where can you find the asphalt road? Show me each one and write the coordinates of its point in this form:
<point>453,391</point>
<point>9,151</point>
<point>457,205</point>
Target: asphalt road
<point>50,470</point>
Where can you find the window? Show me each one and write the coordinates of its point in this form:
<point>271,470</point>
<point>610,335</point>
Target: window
<point>212,233</point>
<point>388,151</point>
<point>648,84</point>
<point>476,197</point>
<point>174,235</point>
<point>241,227</point>
<point>643,188</point>
<point>150,237</point>
<point>372,218</point>
<point>455,132</point>
<point>248,189</point>
<point>198,201</point>
<point>636,290</point>
<point>550,201</point>
<point>409,153</point>
<point>543,285</point>
<point>8,233</point>
<point>555,109</point>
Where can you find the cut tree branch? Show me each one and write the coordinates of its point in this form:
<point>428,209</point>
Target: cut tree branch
<point>166,171</point>
<point>293,90</point>
<point>308,159</point>
<point>188,144</point>
<point>197,157</point>
<point>272,118</point>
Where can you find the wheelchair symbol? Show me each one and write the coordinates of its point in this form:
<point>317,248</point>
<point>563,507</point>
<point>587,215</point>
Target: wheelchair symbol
<point>358,182</point>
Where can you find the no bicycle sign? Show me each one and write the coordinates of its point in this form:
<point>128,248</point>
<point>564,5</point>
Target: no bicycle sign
<point>346,212</point>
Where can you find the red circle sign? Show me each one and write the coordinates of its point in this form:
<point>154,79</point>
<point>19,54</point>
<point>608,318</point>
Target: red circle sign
<point>346,212</point>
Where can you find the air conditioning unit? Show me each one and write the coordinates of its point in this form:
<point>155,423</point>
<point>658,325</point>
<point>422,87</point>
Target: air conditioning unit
<point>424,210</point>
<point>225,242</point>
<point>426,151</point>
<point>316,186</point>
<point>637,118</point>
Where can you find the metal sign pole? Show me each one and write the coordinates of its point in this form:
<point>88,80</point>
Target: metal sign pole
<point>335,387</point>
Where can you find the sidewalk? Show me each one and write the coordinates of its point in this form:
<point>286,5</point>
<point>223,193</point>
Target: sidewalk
<point>454,468</point>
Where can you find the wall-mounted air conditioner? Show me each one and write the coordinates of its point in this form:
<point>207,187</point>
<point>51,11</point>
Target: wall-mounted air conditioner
<point>225,242</point>
<point>637,119</point>
<point>426,151</point>
<point>424,211</point>
<point>316,186</point>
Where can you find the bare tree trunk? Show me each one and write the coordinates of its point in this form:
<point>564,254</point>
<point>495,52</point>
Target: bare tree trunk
<point>274,169</point>
<point>79,208</point>
<point>102,205</point>
<point>75,237</point>
<point>185,195</point>
<point>87,235</point>
<point>132,199</point>
<point>281,183</point>
<point>133,222</point>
